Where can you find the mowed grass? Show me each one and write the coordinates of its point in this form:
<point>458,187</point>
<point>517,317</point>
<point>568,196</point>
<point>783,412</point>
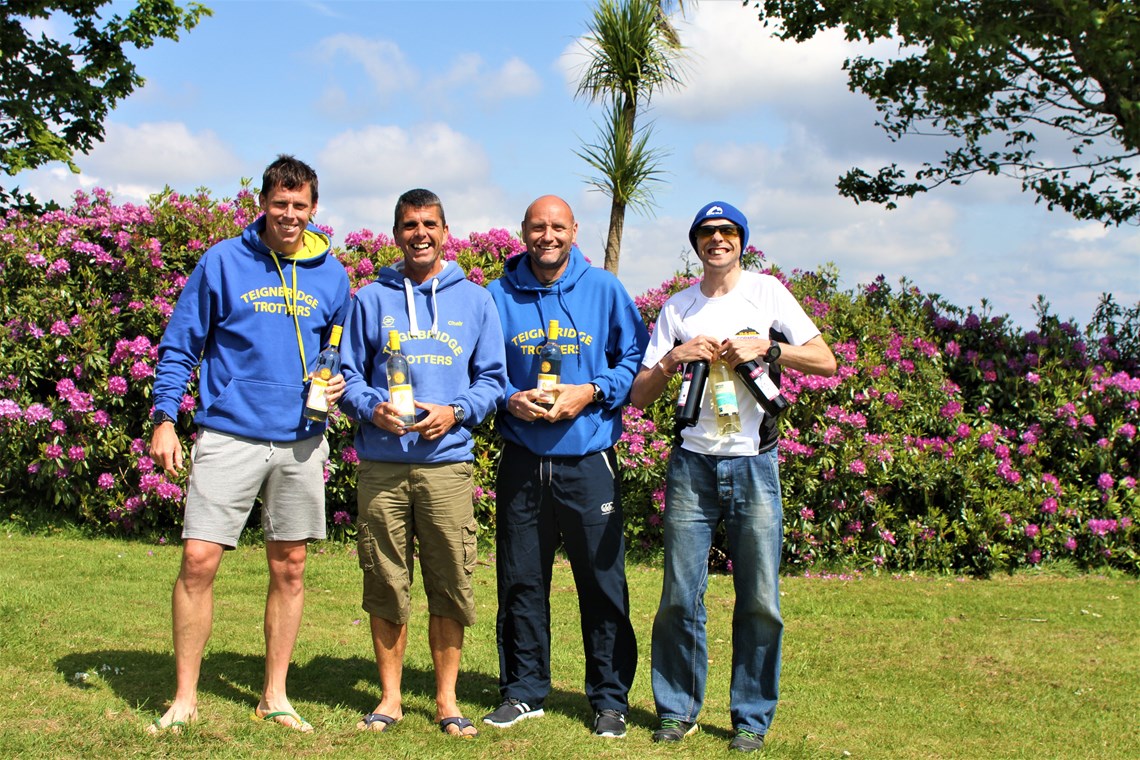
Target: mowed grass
<point>1042,665</point>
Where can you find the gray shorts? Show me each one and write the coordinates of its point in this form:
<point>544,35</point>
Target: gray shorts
<point>227,472</point>
<point>431,504</point>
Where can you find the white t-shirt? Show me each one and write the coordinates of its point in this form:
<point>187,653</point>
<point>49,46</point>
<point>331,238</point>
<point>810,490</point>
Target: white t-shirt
<point>757,303</point>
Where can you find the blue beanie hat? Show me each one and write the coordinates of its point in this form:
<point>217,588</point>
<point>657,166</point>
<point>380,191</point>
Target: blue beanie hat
<point>719,210</point>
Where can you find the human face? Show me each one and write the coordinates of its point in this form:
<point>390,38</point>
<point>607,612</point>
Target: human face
<point>548,230</point>
<point>718,245</point>
<point>287,213</point>
<point>421,235</point>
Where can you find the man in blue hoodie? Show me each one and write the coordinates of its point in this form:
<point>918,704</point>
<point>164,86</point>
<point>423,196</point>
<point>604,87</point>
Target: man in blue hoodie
<point>557,480</point>
<point>252,319</point>
<point>415,479</point>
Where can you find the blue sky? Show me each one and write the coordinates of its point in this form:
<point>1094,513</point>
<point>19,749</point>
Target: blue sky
<point>475,100</point>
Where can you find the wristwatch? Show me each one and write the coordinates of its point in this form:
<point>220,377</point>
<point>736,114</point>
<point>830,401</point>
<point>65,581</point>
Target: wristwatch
<point>460,415</point>
<point>772,354</point>
<point>599,396</point>
<point>160,417</point>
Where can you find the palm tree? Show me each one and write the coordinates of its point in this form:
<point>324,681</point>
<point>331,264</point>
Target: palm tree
<point>634,53</point>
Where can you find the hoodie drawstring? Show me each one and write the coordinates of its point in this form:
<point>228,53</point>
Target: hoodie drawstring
<point>413,323</point>
<point>291,305</point>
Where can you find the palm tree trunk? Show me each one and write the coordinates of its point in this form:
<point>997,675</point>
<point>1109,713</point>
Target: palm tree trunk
<point>613,242</point>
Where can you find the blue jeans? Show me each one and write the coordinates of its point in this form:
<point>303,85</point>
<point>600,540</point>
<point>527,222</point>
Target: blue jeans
<point>701,491</point>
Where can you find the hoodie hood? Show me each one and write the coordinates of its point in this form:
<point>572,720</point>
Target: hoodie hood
<point>393,277</point>
<point>316,249</point>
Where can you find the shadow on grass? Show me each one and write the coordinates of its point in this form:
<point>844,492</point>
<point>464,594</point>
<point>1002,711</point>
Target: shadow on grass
<point>146,680</point>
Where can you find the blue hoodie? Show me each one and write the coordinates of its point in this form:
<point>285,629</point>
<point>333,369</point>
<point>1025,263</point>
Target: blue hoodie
<point>232,321</point>
<point>607,336</point>
<point>451,335</point>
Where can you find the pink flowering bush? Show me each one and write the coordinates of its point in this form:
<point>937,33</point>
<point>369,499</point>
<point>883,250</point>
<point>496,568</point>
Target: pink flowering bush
<point>947,440</point>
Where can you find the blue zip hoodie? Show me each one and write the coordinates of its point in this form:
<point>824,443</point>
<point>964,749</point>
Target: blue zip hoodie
<point>233,322</point>
<point>603,339</point>
<point>451,335</point>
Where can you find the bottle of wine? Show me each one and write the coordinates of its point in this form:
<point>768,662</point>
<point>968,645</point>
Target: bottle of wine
<point>400,380</point>
<point>755,376</point>
<point>724,399</point>
<point>549,366</point>
<point>328,366</point>
<point>693,379</point>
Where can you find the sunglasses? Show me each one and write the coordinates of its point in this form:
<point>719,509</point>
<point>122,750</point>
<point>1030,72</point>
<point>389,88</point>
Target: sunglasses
<point>726,230</point>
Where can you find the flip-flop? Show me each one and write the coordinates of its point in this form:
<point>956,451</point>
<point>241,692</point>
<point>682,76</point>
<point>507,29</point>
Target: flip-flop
<point>301,726</point>
<point>460,723</point>
<point>173,726</point>
<point>372,718</point>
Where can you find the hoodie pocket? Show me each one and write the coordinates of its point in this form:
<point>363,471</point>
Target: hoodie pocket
<point>267,406</point>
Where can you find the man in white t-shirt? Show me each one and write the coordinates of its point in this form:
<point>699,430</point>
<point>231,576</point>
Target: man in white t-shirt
<point>733,479</point>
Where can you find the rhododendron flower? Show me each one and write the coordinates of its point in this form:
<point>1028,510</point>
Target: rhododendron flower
<point>117,385</point>
<point>9,409</point>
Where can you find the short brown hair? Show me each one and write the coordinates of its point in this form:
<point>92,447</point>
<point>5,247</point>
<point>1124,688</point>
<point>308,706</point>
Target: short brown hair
<point>290,173</point>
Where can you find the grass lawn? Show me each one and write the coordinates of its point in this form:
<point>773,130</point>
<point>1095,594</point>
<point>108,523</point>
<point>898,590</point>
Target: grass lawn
<point>1037,665</point>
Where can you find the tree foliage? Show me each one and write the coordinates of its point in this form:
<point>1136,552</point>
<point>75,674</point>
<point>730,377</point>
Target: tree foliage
<point>56,92</point>
<point>634,52</point>
<point>1003,79</point>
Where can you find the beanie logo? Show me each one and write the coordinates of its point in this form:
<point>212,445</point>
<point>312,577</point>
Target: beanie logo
<point>715,211</point>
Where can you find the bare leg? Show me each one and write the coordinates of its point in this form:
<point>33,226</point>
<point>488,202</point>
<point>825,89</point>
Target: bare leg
<point>283,607</point>
<point>389,640</point>
<point>192,611</point>
<point>445,636</point>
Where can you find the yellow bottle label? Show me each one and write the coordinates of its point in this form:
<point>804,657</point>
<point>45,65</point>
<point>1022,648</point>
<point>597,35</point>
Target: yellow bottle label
<point>398,378</point>
<point>401,396</point>
<point>316,399</point>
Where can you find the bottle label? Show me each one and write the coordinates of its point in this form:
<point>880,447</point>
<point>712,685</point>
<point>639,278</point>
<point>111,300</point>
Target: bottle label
<point>546,385</point>
<point>767,387</point>
<point>725,398</point>
<point>316,400</point>
<point>401,397</point>
<point>683,396</point>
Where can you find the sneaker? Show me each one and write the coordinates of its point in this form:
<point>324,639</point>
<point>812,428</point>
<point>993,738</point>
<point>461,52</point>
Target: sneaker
<point>746,741</point>
<point>610,724</point>
<point>510,713</point>
<point>673,730</point>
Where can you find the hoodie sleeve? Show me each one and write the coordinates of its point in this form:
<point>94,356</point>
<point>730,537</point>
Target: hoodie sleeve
<point>183,341</point>
<point>625,346</point>
<point>361,341</point>
<point>488,367</point>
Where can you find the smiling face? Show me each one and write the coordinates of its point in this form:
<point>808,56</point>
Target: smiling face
<point>718,245</point>
<point>421,233</point>
<point>549,230</point>
<point>287,213</point>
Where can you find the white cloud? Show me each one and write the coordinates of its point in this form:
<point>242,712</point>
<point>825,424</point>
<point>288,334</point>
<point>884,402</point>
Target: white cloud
<point>135,162</point>
<point>1083,232</point>
<point>365,170</point>
<point>514,79</point>
<point>383,61</point>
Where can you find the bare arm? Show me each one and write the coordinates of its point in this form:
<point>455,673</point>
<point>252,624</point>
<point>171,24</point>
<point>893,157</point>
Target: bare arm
<point>651,381</point>
<point>812,358</point>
